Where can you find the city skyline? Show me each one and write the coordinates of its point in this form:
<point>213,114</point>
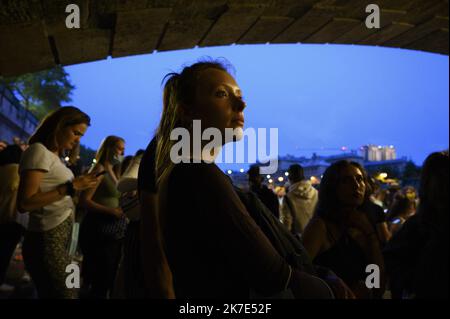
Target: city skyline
<point>318,96</point>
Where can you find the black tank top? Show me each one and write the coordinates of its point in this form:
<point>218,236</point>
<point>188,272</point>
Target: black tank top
<point>345,258</point>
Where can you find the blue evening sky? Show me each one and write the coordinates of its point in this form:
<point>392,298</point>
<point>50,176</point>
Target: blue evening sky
<point>320,97</point>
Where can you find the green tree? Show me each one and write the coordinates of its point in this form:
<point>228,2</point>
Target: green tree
<point>86,155</point>
<point>42,92</point>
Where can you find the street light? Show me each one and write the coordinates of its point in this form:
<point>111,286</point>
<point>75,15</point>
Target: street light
<point>280,179</point>
<point>229,172</point>
<point>286,174</point>
<point>241,170</point>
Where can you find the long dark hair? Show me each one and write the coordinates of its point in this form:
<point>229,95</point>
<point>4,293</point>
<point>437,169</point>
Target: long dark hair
<point>48,130</point>
<point>434,191</point>
<point>328,201</point>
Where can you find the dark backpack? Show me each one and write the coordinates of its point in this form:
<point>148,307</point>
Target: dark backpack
<point>286,244</point>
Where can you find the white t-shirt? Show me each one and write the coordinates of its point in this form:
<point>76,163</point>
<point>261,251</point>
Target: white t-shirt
<point>38,157</point>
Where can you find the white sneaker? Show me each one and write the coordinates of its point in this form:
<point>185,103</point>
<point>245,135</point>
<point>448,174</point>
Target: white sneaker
<point>6,288</point>
<point>26,277</point>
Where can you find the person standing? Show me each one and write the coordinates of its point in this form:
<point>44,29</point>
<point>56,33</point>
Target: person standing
<point>267,196</point>
<point>46,190</point>
<point>11,232</point>
<point>103,229</point>
<point>300,202</point>
<point>341,236</point>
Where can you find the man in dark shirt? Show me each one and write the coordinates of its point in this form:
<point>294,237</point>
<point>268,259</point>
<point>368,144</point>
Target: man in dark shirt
<point>269,199</point>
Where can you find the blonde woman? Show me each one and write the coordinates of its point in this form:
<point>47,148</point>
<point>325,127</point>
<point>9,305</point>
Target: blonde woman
<point>213,246</point>
<point>103,228</point>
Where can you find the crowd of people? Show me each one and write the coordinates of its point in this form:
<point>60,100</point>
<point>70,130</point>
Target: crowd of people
<point>148,232</point>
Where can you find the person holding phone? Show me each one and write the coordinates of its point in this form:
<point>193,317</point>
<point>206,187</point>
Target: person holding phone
<point>46,190</point>
<point>103,228</point>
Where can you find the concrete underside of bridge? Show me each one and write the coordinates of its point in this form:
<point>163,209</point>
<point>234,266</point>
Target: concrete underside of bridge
<point>34,36</point>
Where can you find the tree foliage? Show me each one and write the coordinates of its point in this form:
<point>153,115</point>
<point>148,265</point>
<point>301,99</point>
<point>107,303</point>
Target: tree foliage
<point>86,155</point>
<point>42,92</point>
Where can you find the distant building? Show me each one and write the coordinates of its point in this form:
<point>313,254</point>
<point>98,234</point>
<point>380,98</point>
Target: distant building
<point>389,153</point>
<point>374,153</point>
<point>15,120</point>
<point>375,159</point>
<point>316,165</point>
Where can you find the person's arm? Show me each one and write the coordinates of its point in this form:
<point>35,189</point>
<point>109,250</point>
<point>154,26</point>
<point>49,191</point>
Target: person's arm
<point>314,236</point>
<point>383,232</point>
<point>30,198</point>
<point>86,201</point>
<point>370,244</point>
<point>157,273</point>
<point>313,240</point>
<point>395,227</point>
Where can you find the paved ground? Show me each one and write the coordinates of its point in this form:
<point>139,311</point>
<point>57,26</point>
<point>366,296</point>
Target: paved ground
<point>17,277</point>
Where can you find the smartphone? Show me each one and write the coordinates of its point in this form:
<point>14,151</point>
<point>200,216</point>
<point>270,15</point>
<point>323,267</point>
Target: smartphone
<point>100,173</point>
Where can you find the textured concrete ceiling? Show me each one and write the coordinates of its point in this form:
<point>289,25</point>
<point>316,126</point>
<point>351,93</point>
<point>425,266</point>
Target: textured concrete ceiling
<point>33,35</point>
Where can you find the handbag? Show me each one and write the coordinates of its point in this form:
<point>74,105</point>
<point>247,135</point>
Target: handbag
<point>112,228</point>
